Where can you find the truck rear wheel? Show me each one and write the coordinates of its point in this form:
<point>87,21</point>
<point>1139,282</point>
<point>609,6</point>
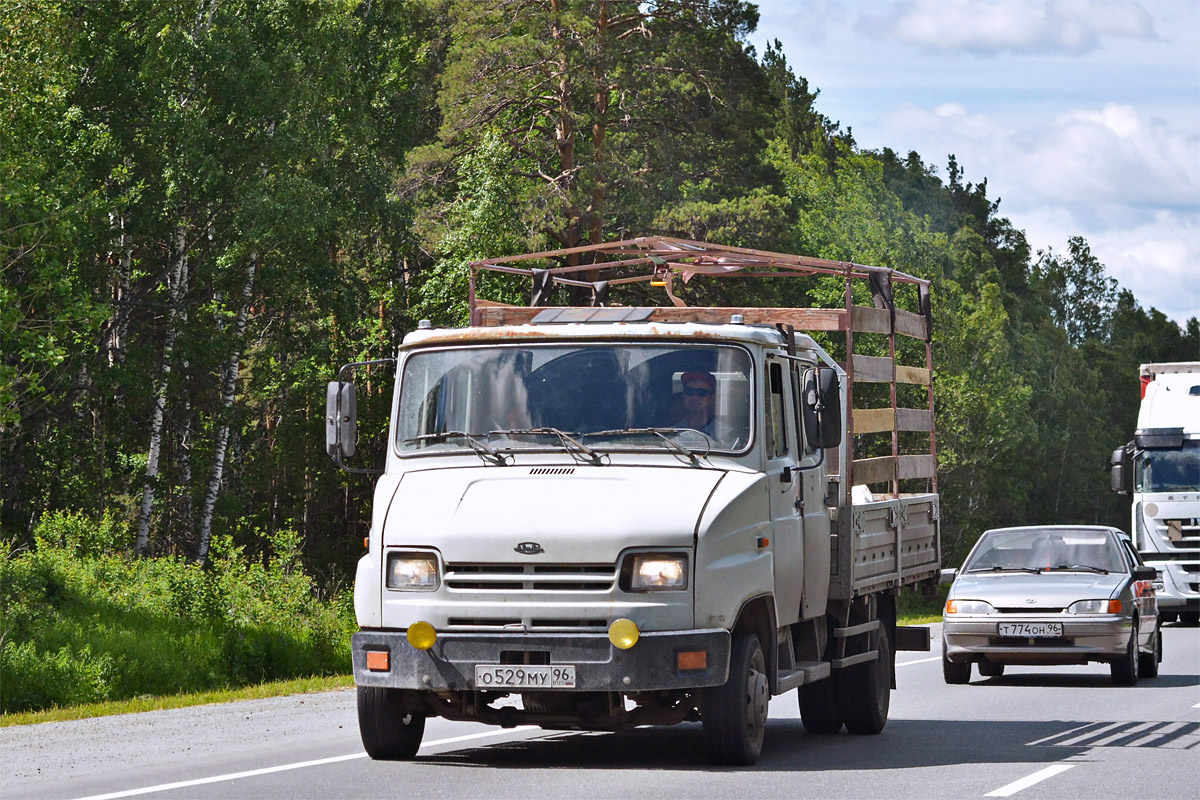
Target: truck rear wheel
<point>819,707</point>
<point>735,715</point>
<point>390,731</point>
<point>864,691</point>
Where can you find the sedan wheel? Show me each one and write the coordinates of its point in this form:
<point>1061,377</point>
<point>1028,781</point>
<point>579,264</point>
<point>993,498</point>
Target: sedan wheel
<point>1148,662</point>
<point>990,669</point>
<point>1125,671</point>
<point>954,673</point>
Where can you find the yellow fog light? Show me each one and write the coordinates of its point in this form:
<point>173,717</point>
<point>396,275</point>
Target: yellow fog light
<point>623,633</point>
<point>421,635</point>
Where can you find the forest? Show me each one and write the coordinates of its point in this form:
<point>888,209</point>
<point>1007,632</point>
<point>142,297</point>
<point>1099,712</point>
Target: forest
<point>208,206</point>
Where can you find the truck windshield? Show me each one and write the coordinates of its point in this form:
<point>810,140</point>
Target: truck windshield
<point>526,397</point>
<point>1174,470</point>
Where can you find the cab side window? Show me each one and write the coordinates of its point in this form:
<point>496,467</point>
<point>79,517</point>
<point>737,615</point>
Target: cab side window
<point>777,440</point>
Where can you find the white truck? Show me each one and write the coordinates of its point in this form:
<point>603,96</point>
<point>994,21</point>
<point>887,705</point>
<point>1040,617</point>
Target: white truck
<point>610,516</point>
<point>1165,460</point>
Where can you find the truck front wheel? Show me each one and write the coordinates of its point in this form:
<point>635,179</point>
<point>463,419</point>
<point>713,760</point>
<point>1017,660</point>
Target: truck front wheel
<point>864,690</point>
<point>390,729</point>
<point>735,715</point>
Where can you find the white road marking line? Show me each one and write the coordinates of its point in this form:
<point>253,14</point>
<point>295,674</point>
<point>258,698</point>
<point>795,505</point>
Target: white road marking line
<point>233,776</point>
<point>1196,706</point>
<point>1121,734</point>
<point>1029,780</point>
<point>919,661</point>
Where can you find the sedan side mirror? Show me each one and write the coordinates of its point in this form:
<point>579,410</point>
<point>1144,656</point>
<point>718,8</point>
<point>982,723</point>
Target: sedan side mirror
<point>948,575</point>
<point>1141,572</point>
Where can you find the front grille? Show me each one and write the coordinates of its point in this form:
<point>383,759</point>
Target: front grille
<point>1028,610</point>
<point>536,624</point>
<point>530,578</point>
<point>1180,532</point>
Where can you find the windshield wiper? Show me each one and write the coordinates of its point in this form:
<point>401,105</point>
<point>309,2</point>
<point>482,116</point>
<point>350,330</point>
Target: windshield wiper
<point>1079,568</point>
<point>569,443</point>
<point>1030,570</point>
<point>661,433</point>
<point>481,448</point>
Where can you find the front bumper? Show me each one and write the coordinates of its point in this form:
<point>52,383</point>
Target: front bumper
<point>650,665</point>
<point>1178,592</point>
<point>1092,638</point>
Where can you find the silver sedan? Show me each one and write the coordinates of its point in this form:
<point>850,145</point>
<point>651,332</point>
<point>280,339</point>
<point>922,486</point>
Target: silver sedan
<point>1051,595</point>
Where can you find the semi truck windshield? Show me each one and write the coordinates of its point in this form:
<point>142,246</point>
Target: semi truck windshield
<point>1169,470</point>
<point>515,396</point>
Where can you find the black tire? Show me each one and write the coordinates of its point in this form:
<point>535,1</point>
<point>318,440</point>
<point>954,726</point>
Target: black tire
<point>735,715</point>
<point>1148,662</point>
<point>990,669</point>
<point>819,707</point>
<point>954,673</point>
<point>389,730</point>
<point>864,691</point>
<point>1125,670</point>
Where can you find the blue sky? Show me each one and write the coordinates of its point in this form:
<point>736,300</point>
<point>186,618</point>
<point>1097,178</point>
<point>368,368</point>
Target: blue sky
<point>1083,115</point>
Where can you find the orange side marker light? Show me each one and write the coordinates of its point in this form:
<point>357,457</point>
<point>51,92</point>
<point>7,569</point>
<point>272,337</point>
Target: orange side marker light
<point>377,660</point>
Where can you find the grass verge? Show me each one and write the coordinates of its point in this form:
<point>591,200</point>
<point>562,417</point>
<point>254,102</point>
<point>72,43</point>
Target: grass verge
<point>320,683</point>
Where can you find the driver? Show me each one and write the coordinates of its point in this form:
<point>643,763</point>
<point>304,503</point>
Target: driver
<point>699,400</point>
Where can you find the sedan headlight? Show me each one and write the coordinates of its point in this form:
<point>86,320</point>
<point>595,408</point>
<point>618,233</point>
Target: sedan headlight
<point>412,572</point>
<point>1095,607</point>
<point>655,572</point>
<point>969,607</point>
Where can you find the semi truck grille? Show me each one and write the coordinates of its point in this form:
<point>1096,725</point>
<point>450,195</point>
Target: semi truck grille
<point>1181,532</point>
<point>530,578</point>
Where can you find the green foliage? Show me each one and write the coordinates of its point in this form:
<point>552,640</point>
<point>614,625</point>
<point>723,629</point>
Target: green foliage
<point>84,621</point>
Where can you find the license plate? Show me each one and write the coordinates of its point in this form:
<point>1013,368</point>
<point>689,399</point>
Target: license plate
<point>498,676</point>
<point>1031,630</point>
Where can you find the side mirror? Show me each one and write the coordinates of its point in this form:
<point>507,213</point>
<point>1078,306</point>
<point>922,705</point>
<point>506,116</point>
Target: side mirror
<point>341,419</point>
<point>947,576</point>
<point>822,408</point>
<point>1141,572</point>
<point>1120,470</point>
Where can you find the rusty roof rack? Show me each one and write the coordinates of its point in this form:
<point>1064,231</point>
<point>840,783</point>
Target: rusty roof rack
<point>660,260</point>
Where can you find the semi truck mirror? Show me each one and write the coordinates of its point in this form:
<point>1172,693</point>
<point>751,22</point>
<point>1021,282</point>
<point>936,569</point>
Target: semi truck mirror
<point>1120,470</point>
<point>341,419</point>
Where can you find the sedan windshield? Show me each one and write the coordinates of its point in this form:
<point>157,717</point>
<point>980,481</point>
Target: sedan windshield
<point>1035,550</point>
<point>1169,470</point>
<point>576,398</point>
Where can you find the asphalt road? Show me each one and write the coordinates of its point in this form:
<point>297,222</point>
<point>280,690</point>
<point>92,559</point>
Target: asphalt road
<point>1062,732</point>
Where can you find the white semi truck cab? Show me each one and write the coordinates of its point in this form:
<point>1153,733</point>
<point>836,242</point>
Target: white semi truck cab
<point>602,517</point>
<point>1165,460</point>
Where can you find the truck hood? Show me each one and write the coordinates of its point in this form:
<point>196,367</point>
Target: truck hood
<point>577,514</point>
<point>1046,590</point>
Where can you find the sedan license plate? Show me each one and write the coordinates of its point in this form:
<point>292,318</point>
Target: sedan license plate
<point>501,676</point>
<point>1031,630</point>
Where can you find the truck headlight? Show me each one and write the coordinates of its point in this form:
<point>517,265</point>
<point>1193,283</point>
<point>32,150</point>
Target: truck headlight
<point>412,572</point>
<point>655,572</point>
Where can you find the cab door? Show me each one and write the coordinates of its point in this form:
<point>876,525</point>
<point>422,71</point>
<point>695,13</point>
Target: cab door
<point>814,521</point>
<point>783,482</point>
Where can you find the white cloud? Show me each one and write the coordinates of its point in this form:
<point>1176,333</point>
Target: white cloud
<point>989,27</point>
<point>1128,184</point>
